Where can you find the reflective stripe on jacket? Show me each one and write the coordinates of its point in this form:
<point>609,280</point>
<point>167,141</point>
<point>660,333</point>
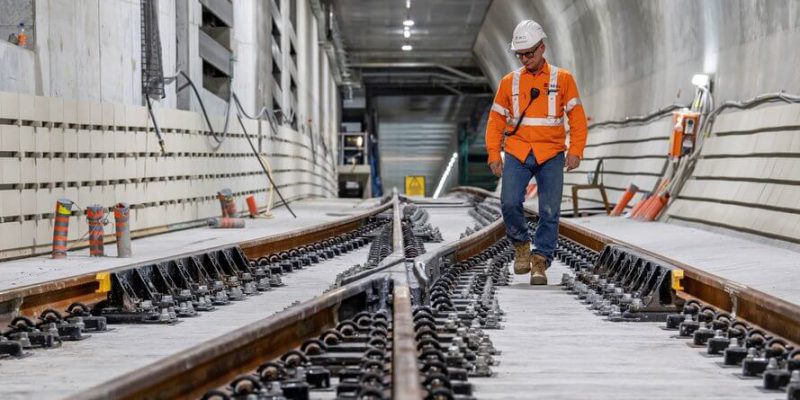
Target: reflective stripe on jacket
<point>542,128</point>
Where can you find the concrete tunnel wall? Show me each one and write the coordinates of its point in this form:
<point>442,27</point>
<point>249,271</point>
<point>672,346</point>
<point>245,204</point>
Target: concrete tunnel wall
<point>72,122</point>
<point>633,57</point>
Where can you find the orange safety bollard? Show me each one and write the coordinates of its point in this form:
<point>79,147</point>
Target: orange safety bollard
<point>94,216</point>
<point>61,228</point>
<point>252,206</point>
<point>655,209</point>
<point>123,229</point>
<point>626,198</point>
<point>225,197</point>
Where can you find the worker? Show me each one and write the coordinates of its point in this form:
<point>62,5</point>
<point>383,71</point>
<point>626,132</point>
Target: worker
<point>526,121</point>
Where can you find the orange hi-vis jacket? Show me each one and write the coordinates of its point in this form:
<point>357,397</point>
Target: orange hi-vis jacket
<point>542,129</point>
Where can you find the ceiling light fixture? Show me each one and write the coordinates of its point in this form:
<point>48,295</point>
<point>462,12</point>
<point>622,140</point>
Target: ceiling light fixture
<point>408,3</point>
<point>406,32</point>
<point>408,22</point>
<point>407,47</point>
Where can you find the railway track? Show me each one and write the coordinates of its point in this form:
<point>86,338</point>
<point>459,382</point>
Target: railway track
<point>410,324</point>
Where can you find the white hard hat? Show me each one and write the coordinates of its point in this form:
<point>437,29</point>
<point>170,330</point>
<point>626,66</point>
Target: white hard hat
<point>526,35</point>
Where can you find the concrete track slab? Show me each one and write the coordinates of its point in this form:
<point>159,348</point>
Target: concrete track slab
<point>60,372</point>
<point>770,269</point>
<point>554,348</point>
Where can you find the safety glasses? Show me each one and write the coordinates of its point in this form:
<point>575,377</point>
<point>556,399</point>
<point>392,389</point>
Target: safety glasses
<point>529,53</point>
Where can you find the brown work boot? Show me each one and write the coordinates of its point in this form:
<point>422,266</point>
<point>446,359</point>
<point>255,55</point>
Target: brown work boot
<point>538,266</point>
<point>522,258</point>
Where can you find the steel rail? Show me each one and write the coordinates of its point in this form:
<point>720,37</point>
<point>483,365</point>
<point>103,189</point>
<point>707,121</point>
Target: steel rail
<point>406,380</point>
<point>766,311</point>
<point>31,300</point>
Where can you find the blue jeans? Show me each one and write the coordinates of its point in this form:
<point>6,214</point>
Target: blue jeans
<point>550,184</point>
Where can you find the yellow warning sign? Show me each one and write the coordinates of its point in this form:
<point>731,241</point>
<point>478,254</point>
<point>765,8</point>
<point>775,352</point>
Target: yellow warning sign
<point>415,185</point>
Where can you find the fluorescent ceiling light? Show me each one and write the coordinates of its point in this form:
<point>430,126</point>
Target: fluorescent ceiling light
<point>701,80</point>
<point>408,22</point>
<point>408,3</point>
<point>407,33</point>
<point>407,47</point>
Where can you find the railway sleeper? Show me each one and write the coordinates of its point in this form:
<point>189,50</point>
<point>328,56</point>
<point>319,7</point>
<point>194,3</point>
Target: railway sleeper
<point>164,292</point>
<point>625,285</point>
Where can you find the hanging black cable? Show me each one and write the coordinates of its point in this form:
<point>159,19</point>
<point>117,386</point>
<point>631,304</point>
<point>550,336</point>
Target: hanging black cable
<point>264,167</point>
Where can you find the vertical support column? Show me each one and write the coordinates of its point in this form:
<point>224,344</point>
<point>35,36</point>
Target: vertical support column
<point>122,229</point>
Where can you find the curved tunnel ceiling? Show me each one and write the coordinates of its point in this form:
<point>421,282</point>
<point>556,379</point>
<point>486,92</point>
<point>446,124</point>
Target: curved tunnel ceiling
<point>631,57</point>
